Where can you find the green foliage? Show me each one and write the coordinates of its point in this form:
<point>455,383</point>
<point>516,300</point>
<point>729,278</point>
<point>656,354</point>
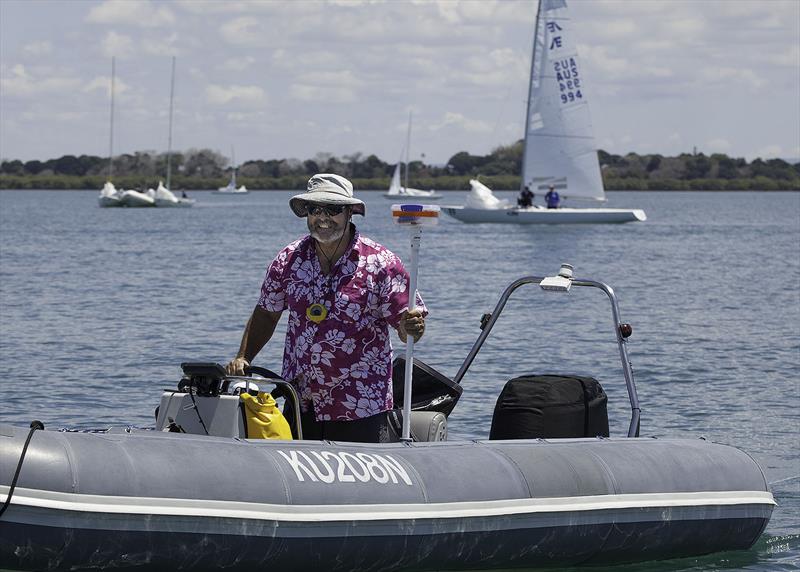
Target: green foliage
<point>500,169</point>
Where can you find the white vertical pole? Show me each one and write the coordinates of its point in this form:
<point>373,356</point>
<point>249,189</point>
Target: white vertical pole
<point>111,131</point>
<point>169,141</point>
<point>416,237</point>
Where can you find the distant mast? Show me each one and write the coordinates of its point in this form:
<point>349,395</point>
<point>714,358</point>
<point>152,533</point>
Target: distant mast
<point>169,140</point>
<point>233,168</point>
<point>408,147</point>
<point>111,121</point>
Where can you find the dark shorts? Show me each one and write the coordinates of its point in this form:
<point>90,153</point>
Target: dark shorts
<point>381,428</point>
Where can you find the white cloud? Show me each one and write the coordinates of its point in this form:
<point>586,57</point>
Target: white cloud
<point>42,48</point>
<point>600,58</point>
<point>327,87</point>
<point>21,83</point>
<point>162,45</point>
<point>674,138</point>
<point>738,75</point>
<point>243,31</point>
<point>115,44</point>
<point>309,59</point>
<point>691,27</point>
<point>131,12</point>
<point>790,57</point>
<point>719,145</point>
<point>322,94</point>
<point>104,84</point>
<point>241,117</point>
<point>770,152</point>
<point>53,115</point>
<point>451,119</point>
<point>238,64</point>
<point>244,94</point>
<point>615,29</point>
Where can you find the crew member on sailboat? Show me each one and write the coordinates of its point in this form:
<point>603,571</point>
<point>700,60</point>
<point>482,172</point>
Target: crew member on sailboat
<point>525,198</point>
<point>552,198</point>
<point>343,291</point>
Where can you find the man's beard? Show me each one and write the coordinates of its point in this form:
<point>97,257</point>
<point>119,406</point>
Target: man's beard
<point>328,236</point>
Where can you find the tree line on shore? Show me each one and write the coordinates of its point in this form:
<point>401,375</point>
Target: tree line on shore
<point>207,169</point>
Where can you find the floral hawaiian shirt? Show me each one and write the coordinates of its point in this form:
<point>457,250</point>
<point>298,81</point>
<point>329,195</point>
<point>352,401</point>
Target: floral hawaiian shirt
<point>342,365</point>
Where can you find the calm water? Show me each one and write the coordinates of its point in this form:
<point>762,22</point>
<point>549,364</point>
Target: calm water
<point>98,307</point>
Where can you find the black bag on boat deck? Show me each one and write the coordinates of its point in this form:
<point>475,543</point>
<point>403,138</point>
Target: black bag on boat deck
<point>550,406</point>
<point>430,390</point>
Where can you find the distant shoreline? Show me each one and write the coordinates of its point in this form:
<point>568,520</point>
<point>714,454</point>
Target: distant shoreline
<point>204,169</point>
<point>452,191</point>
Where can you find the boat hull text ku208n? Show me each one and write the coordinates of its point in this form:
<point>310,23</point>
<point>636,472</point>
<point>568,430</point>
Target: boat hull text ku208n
<point>153,500</point>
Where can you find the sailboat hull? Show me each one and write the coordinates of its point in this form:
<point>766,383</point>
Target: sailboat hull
<point>106,202</point>
<point>225,191</point>
<point>137,199</point>
<point>539,215</point>
<point>179,203</point>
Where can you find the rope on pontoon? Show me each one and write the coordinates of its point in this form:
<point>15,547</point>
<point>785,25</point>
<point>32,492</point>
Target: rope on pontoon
<point>34,426</point>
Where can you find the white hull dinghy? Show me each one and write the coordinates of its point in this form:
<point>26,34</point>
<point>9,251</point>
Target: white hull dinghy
<point>397,190</point>
<point>231,188</point>
<point>110,196</point>
<point>559,148</point>
<point>549,488</point>
<point>167,199</point>
<point>163,197</point>
<point>133,198</point>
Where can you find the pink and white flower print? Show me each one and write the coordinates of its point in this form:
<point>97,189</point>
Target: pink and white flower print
<point>342,365</point>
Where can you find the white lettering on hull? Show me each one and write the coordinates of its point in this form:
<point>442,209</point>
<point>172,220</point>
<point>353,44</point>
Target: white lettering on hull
<point>331,466</point>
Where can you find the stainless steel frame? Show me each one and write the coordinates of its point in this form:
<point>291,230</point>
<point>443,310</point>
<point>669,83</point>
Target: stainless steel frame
<point>488,324</point>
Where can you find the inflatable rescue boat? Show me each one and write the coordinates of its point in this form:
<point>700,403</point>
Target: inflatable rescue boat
<point>548,488</point>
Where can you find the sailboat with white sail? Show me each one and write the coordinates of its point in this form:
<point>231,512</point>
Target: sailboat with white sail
<point>164,197</point>
<point>232,189</point>
<point>400,191</point>
<point>110,196</point>
<point>559,148</point>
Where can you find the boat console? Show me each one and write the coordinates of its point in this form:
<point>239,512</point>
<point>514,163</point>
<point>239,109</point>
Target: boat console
<point>207,400</point>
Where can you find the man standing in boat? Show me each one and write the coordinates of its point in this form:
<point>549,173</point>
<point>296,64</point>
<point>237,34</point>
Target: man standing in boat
<point>343,291</point>
<point>552,198</point>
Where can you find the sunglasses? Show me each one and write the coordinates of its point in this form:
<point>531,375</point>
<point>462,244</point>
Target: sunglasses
<point>330,210</point>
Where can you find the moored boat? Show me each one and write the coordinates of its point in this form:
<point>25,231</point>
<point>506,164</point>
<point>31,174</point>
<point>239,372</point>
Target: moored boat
<point>231,188</point>
<point>166,198</point>
<point>398,190</point>
<point>131,198</point>
<point>548,488</point>
<point>110,196</point>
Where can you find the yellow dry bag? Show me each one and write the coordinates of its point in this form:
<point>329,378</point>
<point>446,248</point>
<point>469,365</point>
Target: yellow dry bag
<point>264,419</point>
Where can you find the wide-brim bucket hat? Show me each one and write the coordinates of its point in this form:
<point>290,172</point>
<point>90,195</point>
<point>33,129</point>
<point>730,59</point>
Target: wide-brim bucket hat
<point>328,189</point>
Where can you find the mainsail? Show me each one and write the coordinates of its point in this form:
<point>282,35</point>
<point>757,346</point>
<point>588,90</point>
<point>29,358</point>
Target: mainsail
<point>395,188</point>
<point>559,141</point>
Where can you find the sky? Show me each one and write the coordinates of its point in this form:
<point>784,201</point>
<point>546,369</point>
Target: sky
<point>280,79</point>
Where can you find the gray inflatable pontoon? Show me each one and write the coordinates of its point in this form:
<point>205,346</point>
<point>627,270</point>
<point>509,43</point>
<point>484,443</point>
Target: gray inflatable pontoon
<point>161,500</point>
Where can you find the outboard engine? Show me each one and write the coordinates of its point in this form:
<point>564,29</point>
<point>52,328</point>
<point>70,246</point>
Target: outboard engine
<point>550,406</point>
